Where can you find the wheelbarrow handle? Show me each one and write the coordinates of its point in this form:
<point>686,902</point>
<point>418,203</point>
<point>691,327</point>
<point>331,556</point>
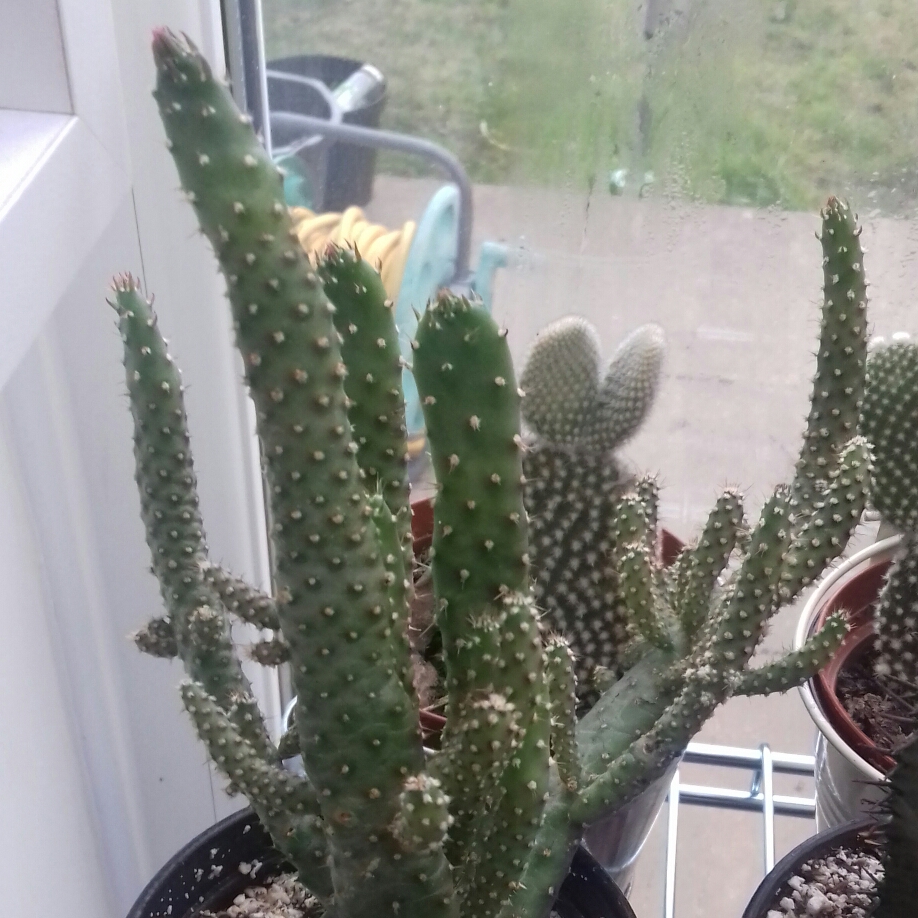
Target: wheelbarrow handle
<point>404,143</point>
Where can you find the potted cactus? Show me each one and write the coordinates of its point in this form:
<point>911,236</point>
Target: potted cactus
<point>863,867</point>
<point>490,823</point>
<point>863,700</point>
<point>578,496</point>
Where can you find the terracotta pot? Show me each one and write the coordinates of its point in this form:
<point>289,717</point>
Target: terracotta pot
<point>188,883</point>
<point>856,644</point>
<point>849,766</point>
<point>774,887</point>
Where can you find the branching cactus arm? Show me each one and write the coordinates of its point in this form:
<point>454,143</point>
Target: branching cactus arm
<point>838,387</point>
<point>245,602</point>
<point>370,349</point>
<point>890,422</point>
<point>471,407</point>
<point>559,668</point>
<point>899,887</point>
<point>700,565</point>
<point>796,666</point>
<point>286,805</point>
<point>896,617</point>
<point>170,510</point>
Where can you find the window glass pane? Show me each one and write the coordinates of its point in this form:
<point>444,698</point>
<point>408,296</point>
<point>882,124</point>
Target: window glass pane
<point>630,162</point>
<point>663,162</point>
<point>773,103</point>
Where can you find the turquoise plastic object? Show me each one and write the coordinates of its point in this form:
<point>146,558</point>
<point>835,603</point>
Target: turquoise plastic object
<point>298,190</point>
<point>431,264</point>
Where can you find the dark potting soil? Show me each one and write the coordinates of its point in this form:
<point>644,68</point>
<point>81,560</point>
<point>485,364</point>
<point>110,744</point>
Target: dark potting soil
<point>841,884</point>
<point>884,710</point>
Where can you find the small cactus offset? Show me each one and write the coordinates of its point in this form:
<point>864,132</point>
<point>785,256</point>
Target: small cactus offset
<point>890,421</point>
<point>487,824</point>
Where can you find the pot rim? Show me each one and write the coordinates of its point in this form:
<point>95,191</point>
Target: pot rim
<point>881,550</point>
<point>857,642</point>
<point>762,899</point>
<point>584,875</point>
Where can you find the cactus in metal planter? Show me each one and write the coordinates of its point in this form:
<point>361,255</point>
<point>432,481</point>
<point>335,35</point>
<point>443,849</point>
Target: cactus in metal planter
<point>890,422</point>
<point>487,824</point>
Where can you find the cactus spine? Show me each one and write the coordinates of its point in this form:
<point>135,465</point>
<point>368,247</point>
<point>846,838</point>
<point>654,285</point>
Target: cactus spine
<point>486,826</point>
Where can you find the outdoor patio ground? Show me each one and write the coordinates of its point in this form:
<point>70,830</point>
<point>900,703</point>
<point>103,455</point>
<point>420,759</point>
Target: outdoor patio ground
<point>737,292</point>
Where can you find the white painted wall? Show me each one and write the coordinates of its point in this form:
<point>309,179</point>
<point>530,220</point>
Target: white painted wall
<point>101,777</point>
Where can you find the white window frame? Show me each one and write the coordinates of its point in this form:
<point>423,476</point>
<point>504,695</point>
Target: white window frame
<point>73,161</point>
<point>70,172</point>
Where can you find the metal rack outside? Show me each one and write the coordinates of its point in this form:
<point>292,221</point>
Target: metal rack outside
<point>764,764</point>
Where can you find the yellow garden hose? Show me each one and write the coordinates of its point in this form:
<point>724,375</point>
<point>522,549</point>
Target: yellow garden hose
<point>387,250</point>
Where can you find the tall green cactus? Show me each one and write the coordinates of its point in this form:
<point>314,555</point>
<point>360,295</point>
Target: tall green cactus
<point>890,421</point>
<point>898,890</point>
<point>336,614</point>
<point>487,825</point>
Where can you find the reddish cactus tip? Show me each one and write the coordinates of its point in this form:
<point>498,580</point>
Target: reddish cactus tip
<point>163,37</point>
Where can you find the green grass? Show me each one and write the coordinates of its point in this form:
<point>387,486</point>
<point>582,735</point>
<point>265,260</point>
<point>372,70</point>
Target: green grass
<point>750,108</point>
<point>761,102</point>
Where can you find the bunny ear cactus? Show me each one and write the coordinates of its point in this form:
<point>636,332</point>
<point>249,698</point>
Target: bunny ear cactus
<point>485,826</point>
<point>578,417</point>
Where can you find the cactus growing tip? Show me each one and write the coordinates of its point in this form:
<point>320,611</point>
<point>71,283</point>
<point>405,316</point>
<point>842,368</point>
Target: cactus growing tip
<point>171,50</point>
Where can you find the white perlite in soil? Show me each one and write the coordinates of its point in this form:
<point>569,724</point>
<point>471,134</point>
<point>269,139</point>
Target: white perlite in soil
<point>285,897</point>
<point>841,885</point>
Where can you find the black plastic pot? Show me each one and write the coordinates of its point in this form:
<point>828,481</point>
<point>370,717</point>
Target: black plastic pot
<point>774,887</point>
<point>205,875</point>
<point>351,169</point>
